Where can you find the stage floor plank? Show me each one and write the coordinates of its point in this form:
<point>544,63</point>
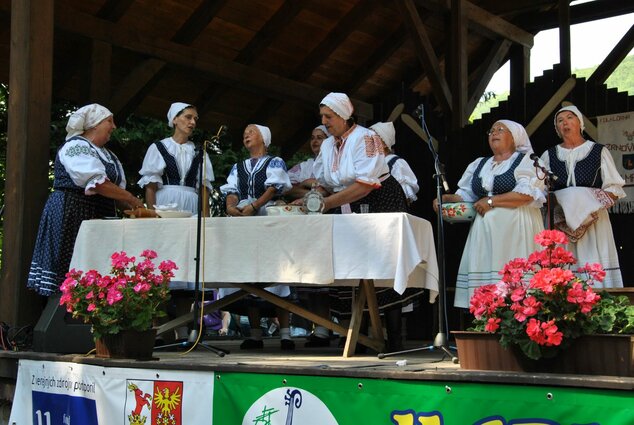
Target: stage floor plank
<point>423,365</point>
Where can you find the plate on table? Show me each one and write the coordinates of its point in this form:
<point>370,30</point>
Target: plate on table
<point>274,210</point>
<point>458,212</point>
<point>140,213</point>
<point>173,214</point>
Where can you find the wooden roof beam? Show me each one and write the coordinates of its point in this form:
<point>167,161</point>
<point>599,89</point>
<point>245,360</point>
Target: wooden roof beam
<point>425,52</point>
<point>345,26</point>
<point>222,70</point>
<point>198,21</point>
<point>113,10</point>
<point>377,59</point>
<point>263,38</point>
<point>614,58</point>
<point>585,12</point>
<point>485,22</point>
<point>483,74</point>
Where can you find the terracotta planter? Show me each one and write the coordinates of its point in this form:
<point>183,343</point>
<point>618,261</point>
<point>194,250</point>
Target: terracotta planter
<point>128,344</point>
<point>588,355</point>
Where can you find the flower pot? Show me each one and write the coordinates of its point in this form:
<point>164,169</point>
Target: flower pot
<point>588,355</point>
<point>128,344</point>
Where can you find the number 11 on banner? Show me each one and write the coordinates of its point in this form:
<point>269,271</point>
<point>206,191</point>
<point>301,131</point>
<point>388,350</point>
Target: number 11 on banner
<point>53,409</point>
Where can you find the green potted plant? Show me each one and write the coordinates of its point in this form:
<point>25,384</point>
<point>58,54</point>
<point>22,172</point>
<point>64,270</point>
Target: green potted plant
<point>121,306</point>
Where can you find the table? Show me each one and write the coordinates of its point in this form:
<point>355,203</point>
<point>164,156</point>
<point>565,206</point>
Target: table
<point>389,249</point>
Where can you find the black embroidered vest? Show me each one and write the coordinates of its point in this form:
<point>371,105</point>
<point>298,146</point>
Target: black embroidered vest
<point>587,170</point>
<point>171,176</point>
<point>502,183</point>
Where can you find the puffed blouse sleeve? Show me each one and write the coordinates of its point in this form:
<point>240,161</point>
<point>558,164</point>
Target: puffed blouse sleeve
<point>277,176</point>
<point>152,168</point>
<point>464,185</point>
<point>612,180</point>
<point>528,183</point>
<point>402,172</point>
<point>231,187</point>
<point>369,160</point>
<point>295,173</point>
<point>84,166</point>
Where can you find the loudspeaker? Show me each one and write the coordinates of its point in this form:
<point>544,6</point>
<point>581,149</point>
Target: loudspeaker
<point>57,332</point>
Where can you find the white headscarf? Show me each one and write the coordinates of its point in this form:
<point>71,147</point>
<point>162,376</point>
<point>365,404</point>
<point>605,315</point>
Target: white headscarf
<point>266,134</point>
<point>574,110</point>
<point>520,137</point>
<point>339,103</point>
<point>176,109</point>
<point>322,128</point>
<point>85,118</point>
<point>386,132</point>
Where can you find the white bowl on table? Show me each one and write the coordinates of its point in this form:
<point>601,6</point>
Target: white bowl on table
<point>275,210</point>
<point>173,214</point>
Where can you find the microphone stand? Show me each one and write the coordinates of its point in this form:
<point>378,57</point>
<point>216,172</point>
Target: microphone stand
<point>440,341</point>
<point>193,339</point>
<point>549,178</point>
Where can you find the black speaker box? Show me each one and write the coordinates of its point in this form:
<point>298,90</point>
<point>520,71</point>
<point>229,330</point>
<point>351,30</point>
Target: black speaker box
<point>57,332</point>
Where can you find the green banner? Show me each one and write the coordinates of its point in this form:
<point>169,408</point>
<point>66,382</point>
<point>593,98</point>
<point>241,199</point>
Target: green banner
<point>258,399</point>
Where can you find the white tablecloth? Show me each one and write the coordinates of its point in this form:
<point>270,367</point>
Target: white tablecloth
<point>393,249</point>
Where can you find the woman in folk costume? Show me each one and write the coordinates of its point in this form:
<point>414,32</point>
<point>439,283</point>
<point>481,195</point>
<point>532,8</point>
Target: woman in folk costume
<point>508,195</point>
<point>399,168</point>
<point>170,168</point>
<point>351,166</point>
<point>252,185</point>
<point>89,179</point>
<point>587,184</point>
<point>302,175</point>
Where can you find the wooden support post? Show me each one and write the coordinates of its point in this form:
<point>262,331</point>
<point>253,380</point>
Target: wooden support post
<point>520,76</point>
<point>564,39</point>
<point>30,85</point>
<point>458,72</point>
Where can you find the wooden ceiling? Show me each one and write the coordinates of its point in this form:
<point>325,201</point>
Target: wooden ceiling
<point>271,61</point>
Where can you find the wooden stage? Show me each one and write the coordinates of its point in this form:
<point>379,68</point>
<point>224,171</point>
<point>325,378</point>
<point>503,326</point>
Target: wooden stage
<point>405,389</point>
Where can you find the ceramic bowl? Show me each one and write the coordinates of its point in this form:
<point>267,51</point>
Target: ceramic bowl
<point>173,214</point>
<point>274,210</point>
<point>458,212</point>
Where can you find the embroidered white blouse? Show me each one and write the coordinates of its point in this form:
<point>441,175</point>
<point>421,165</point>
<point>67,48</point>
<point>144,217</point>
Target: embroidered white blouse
<point>83,165</point>
<point>359,158</point>
<point>302,171</point>
<point>612,180</point>
<point>154,165</point>
<point>526,180</point>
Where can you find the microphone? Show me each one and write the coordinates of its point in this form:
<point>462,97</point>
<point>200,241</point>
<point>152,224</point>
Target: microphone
<point>445,185</point>
<point>536,163</point>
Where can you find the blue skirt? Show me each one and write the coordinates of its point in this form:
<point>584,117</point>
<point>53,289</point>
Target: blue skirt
<point>63,213</point>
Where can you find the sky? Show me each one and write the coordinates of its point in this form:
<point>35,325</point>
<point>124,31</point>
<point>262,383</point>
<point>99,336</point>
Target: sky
<point>590,44</point>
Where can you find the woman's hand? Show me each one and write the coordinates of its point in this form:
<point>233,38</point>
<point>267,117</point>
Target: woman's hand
<point>249,210</point>
<point>233,211</point>
<point>482,206</point>
<point>135,202</point>
<point>449,197</point>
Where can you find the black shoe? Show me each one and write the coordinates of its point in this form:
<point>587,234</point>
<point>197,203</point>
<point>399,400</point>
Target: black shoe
<point>313,341</point>
<point>252,344</point>
<point>287,345</point>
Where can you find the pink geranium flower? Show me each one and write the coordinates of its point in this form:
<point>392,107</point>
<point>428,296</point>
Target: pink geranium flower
<point>128,298</point>
<point>540,303</point>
